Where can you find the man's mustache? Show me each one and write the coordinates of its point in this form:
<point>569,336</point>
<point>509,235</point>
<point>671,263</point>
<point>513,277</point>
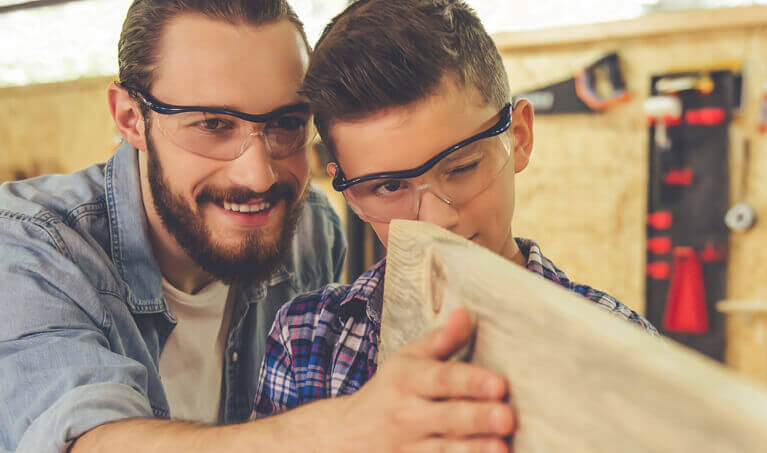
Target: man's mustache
<point>241,195</point>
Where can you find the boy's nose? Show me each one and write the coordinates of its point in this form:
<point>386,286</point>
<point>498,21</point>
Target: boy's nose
<point>437,211</point>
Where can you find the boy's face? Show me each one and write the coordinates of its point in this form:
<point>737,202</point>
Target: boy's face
<point>403,138</point>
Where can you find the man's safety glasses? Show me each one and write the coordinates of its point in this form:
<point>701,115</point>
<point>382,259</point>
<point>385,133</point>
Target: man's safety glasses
<point>224,134</point>
<point>455,176</point>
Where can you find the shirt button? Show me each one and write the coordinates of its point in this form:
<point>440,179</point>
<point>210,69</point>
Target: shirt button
<point>235,356</point>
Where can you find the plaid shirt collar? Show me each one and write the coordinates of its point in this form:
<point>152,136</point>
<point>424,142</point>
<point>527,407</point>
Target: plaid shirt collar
<point>366,293</point>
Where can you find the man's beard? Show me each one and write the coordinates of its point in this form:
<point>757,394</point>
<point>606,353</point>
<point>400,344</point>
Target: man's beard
<point>256,260</point>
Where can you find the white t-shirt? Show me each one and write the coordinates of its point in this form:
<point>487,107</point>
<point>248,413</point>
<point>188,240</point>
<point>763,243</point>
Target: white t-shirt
<point>191,363</point>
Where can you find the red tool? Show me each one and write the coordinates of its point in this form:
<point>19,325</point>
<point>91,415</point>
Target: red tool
<point>659,245</point>
<point>660,220</point>
<point>681,177</point>
<point>668,120</point>
<point>708,116</point>
<point>712,254</point>
<point>658,270</point>
<point>686,302</point>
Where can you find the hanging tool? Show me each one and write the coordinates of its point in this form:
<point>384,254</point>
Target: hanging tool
<point>704,84</point>
<point>593,89</point>
<point>686,310</point>
<point>659,245</point>
<point>708,116</point>
<point>658,270</point>
<point>700,78</point>
<point>663,111</point>
<point>681,177</point>
<point>660,220</point>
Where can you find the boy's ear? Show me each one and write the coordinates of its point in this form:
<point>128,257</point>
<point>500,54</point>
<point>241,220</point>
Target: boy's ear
<point>331,169</point>
<point>522,129</point>
<point>127,116</point>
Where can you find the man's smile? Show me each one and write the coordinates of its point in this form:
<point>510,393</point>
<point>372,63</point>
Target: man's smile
<point>252,207</point>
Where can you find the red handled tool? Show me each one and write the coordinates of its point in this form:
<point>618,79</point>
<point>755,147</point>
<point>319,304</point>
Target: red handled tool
<point>686,302</point>
<point>658,270</point>
<point>660,220</point>
<point>681,177</point>
<point>659,245</point>
<point>708,116</point>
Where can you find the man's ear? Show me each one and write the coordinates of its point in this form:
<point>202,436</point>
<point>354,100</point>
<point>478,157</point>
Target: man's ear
<point>127,116</point>
<point>522,130</point>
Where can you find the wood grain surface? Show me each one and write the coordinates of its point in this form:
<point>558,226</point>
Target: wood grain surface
<point>582,379</point>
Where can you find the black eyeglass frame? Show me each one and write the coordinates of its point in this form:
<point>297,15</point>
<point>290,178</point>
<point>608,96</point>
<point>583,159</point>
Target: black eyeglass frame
<point>169,109</point>
<point>504,122</point>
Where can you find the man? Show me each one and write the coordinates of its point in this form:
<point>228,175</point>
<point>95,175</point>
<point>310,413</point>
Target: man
<point>137,294</point>
<point>412,99</point>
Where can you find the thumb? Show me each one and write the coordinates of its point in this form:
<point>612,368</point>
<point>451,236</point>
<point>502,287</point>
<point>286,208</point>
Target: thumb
<point>444,341</point>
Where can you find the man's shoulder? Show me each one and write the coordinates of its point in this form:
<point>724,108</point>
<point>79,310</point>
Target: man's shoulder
<point>54,198</point>
<point>319,244</point>
<point>319,207</point>
<point>58,222</point>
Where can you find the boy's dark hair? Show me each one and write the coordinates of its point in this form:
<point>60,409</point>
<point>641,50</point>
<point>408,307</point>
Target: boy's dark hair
<point>146,20</point>
<point>379,54</point>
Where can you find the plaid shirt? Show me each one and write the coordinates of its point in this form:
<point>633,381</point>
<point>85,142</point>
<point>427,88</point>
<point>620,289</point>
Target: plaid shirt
<point>324,344</point>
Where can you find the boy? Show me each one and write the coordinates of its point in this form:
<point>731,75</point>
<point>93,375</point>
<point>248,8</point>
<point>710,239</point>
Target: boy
<point>412,99</point>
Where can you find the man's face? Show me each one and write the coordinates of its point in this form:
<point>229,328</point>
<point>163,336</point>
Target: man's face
<point>234,218</point>
<point>405,137</point>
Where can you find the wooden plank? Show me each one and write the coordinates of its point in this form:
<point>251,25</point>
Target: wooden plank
<point>656,24</point>
<point>582,379</point>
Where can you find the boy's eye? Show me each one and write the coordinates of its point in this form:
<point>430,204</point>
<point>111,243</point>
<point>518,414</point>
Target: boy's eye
<point>463,168</point>
<point>212,124</point>
<point>388,187</point>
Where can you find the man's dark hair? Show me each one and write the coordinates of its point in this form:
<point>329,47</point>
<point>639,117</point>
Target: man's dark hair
<point>146,20</point>
<point>379,54</point>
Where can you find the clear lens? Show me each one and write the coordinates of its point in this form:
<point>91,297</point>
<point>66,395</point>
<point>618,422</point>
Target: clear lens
<point>457,178</point>
<point>225,137</point>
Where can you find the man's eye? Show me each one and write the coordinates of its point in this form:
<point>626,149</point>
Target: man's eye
<point>214,124</point>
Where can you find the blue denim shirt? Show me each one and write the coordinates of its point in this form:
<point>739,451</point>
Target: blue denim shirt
<point>83,318</point>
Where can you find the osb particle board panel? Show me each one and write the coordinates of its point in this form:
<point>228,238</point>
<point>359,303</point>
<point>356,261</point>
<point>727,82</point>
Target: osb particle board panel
<point>582,380</point>
<point>56,127</point>
<point>583,197</point>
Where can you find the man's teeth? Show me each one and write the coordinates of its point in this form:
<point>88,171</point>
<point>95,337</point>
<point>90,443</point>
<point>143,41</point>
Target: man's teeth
<point>247,208</point>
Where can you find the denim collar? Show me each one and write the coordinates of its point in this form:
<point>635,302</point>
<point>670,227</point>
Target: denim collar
<point>131,247</point>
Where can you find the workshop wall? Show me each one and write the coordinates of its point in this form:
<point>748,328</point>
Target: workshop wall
<point>583,197</point>
<point>58,127</point>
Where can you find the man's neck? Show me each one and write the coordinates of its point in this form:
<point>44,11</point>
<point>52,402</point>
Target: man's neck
<point>176,266</point>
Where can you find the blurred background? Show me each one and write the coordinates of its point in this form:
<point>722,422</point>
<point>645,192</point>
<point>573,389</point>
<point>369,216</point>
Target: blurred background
<point>649,132</point>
